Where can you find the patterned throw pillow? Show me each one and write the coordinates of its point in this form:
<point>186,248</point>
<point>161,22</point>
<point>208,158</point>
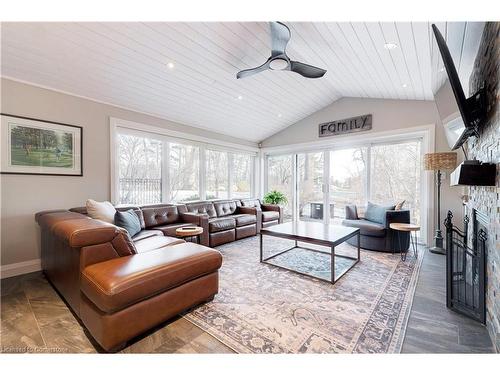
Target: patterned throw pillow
<point>129,221</point>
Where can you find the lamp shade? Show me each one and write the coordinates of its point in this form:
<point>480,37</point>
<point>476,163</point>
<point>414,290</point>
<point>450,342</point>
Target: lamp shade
<point>440,161</point>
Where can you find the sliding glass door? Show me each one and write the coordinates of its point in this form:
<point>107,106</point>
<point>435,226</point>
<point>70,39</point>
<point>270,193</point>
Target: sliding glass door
<point>319,185</point>
<point>348,180</point>
<point>280,176</point>
<point>310,186</point>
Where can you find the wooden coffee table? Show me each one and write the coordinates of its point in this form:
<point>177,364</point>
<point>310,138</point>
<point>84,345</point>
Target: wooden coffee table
<point>316,234</point>
<point>189,232</point>
<point>405,227</point>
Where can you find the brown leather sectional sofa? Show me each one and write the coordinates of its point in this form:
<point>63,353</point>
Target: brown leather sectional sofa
<point>120,286</point>
<point>222,221</point>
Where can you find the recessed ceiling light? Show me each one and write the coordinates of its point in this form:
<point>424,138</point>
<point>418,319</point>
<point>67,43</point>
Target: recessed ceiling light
<point>404,85</point>
<point>171,65</point>
<point>280,115</point>
<point>442,69</point>
<point>240,97</point>
<point>390,46</point>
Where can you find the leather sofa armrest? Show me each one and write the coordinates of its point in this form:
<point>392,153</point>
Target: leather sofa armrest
<point>396,216</point>
<point>200,220</point>
<point>351,212</point>
<point>189,217</point>
<point>273,207</point>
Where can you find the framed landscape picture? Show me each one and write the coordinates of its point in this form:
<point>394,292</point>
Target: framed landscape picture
<point>32,146</point>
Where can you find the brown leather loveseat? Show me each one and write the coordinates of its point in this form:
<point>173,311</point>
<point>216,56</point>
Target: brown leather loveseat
<point>226,220</point>
<point>270,214</point>
<point>120,287</point>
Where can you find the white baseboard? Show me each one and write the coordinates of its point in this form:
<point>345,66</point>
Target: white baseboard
<point>20,268</point>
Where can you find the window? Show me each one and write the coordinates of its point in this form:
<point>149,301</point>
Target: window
<point>217,175</point>
<point>347,179</point>
<point>184,172</point>
<point>149,167</point>
<point>139,169</point>
<point>310,185</point>
<point>280,177</point>
<point>395,175</point>
<point>242,170</point>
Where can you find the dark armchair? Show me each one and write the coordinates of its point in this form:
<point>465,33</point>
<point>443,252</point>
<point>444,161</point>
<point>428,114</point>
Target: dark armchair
<point>378,236</point>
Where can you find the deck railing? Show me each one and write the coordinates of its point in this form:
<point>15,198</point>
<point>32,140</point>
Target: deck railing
<point>140,190</point>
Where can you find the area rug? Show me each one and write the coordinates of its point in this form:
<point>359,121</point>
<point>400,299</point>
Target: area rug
<point>264,309</point>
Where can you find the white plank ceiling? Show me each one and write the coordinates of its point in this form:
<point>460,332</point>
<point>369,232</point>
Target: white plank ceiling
<point>126,64</point>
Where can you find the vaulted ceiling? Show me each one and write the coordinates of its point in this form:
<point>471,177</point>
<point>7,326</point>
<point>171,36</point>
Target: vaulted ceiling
<point>186,72</point>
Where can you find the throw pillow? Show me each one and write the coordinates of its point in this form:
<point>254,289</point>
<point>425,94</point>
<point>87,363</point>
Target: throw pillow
<point>129,221</point>
<point>399,206</point>
<point>376,213</point>
<point>101,210</point>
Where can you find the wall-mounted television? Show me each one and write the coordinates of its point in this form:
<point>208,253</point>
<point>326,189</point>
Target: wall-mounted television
<point>463,117</point>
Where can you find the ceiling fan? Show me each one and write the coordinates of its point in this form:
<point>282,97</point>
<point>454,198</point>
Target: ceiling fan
<point>279,60</point>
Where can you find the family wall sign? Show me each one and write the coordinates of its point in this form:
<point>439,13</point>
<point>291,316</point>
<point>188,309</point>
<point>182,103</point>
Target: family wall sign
<point>349,125</point>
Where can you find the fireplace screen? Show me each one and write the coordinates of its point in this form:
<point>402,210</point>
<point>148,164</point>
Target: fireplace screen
<point>465,266</point>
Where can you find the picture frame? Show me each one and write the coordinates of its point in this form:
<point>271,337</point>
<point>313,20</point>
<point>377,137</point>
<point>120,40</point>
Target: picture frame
<point>31,146</point>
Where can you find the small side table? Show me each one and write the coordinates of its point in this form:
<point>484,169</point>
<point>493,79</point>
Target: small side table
<point>192,232</point>
<point>405,227</point>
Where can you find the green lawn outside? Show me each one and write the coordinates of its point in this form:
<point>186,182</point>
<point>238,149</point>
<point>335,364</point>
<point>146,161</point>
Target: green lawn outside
<point>41,158</point>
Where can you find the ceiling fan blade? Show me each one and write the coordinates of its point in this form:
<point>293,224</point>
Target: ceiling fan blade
<point>306,70</point>
<point>251,72</point>
<point>280,36</point>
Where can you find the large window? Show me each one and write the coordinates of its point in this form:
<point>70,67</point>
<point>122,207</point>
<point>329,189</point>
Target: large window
<point>241,182</point>
<point>383,173</point>
<point>347,179</point>
<point>310,185</point>
<point>152,168</point>
<point>280,177</point>
<point>395,175</point>
<point>184,172</point>
<point>217,175</point>
<point>139,169</point>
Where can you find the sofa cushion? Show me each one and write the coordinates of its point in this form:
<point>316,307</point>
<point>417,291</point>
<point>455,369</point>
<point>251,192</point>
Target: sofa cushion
<point>225,208</point>
<point>376,213</point>
<point>219,224</point>
<point>366,228</point>
<point>160,215</point>
<point>270,215</point>
<point>129,221</point>
<point>103,211</point>
<point>244,219</point>
<point>118,283</point>
<point>201,208</point>
<point>137,211</point>
<point>169,229</point>
<point>146,234</point>
<point>156,242</point>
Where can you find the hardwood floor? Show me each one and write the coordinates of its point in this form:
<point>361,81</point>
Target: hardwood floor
<point>34,318</point>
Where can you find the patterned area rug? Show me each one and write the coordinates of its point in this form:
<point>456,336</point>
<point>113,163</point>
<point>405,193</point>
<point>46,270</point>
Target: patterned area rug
<point>264,309</point>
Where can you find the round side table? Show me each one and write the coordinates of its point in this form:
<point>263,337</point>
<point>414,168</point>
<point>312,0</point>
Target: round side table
<point>405,227</point>
<point>192,232</point>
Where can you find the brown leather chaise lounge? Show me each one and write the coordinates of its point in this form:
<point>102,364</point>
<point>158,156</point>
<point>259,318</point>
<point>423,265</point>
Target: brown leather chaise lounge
<point>120,287</point>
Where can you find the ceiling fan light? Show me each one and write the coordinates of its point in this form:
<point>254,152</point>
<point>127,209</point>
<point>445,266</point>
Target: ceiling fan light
<point>278,64</point>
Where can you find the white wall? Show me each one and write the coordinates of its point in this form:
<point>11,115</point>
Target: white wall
<point>387,115</point>
<point>23,196</point>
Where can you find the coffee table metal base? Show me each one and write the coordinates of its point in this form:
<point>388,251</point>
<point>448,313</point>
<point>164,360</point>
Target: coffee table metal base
<point>333,278</point>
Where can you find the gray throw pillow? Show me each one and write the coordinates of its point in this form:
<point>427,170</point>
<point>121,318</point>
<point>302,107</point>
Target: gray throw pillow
<point>376,213</point>
<point>129,221</point>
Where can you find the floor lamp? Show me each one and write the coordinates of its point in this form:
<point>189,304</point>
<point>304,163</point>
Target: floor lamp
<point>438,161</point>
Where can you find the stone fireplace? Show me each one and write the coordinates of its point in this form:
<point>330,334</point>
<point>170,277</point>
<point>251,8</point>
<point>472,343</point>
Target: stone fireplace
<point>486,148</point>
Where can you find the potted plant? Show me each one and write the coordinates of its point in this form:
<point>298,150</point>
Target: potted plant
<point>275,197</point>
